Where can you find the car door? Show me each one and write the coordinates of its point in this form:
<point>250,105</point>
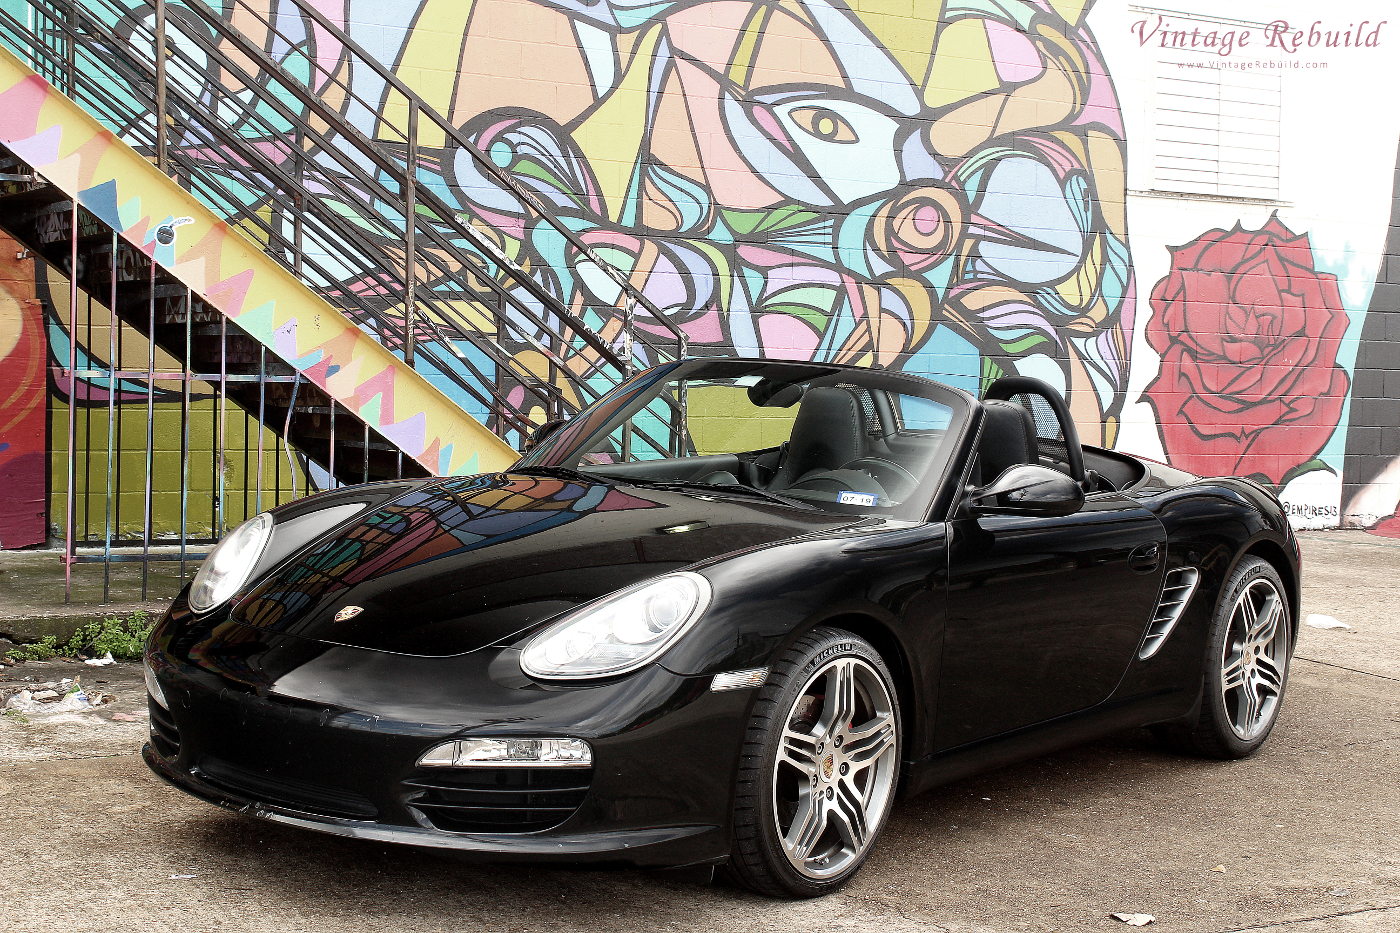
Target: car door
<point>1044,615</point>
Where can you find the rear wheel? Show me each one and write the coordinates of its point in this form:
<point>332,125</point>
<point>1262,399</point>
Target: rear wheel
<point>819,768</point>
<point>1246,666</point>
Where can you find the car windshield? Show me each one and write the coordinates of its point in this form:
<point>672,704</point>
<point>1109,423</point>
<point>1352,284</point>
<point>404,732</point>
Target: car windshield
<point>846,440</point>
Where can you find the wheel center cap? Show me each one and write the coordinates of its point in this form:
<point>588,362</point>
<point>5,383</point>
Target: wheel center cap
<point>828,765</point>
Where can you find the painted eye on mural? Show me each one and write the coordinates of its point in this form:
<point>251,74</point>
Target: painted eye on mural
<point>824,123</point>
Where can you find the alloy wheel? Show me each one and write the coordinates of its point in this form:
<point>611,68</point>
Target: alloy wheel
<point>836,768</point>
<point>1254,658</point>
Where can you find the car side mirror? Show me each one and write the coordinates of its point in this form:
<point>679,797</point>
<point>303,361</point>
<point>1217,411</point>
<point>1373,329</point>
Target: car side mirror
<point>1027,489</point>
<point>542,433</point>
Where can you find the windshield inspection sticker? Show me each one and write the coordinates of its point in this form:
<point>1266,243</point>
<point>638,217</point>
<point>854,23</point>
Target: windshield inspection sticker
<point>856,498</point>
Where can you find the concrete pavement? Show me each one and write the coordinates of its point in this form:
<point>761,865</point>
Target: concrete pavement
<point>1302,838</point>
<point>32,592</point>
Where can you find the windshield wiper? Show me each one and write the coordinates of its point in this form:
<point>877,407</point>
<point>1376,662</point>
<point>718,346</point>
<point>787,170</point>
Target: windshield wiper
<point>680,484</point>
<point>697,486</point>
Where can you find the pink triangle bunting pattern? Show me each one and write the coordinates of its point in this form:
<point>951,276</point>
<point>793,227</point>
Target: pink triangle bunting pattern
<point>72,151</point>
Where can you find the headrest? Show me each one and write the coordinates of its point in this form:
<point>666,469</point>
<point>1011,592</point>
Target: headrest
<point>770,394</point>
<point>826,434</point>
<point>1008,438</point>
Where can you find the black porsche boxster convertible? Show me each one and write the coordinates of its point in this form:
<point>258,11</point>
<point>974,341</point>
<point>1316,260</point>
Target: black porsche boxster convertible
<point>721,617</point>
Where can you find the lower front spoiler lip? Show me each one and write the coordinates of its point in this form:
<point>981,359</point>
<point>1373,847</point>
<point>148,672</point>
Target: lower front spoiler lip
<point>666,846</point>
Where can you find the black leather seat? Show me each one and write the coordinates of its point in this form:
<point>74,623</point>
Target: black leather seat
<point>827,433</point>
<point>1008,439</point>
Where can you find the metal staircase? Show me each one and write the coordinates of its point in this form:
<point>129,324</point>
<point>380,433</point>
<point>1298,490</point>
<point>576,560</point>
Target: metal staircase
<point>438,290</point>
<point>283,256</point>
<point>126,234</point>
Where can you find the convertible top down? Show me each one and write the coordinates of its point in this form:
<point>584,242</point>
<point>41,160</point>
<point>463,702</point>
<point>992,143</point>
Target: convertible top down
<point>722,616</point>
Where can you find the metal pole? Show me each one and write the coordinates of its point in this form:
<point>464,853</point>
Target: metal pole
<point>72,472</point>
<point>276,464</point>
<point>287,433</point>
<point>330,460</point>
<point>87,431</point>
<point>113,364</point>
<point>162,158</point>
<point>185,432</point>
<point>220,428</point>
<point>410,197</point>
<point>147,501</point>
<point>262,418</point>
<point>629,316</point>
<point>118,471</point>
<point>685,419</point>
<point>68,80</point>
<point>299,173</point>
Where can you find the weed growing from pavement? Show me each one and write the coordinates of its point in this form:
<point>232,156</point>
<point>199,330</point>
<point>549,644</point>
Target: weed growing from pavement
<point>44,649</point>
<point>123,637</point>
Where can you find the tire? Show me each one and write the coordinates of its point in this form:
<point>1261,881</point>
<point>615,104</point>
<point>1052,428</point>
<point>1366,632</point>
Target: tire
<point>816,780</point>
<point>1245,671</point>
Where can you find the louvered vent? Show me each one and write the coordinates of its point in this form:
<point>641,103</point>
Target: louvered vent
<point>497,800</point>
<point>165,735</point>
<point>1176,593</point>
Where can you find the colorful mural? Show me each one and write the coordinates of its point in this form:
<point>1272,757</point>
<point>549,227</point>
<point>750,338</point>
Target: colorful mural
<point>937,187</point>
<point>800,180</point>
<point>820,182</point>
<point>23,400</point>
<point>1249,331</point>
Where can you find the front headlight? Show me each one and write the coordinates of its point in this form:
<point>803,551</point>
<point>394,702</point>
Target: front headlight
<point>227,567</point>
<point>619,633</point>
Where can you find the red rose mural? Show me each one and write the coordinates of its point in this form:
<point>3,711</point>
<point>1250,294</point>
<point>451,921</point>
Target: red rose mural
<point>1248,331</point>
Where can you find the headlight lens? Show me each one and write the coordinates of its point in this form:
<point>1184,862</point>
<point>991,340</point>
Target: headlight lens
<point>618,633</point>
<point>227,567</point>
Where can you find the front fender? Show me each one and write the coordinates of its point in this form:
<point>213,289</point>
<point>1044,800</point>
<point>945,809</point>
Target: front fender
<point>1211,524</point>
<point>887,586</point>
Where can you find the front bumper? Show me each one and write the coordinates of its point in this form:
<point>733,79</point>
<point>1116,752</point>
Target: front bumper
<point>328,738</point>
<point>661,847</point>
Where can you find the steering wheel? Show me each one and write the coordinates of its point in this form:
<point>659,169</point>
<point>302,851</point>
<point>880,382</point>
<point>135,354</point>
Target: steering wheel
<point>894,477</point>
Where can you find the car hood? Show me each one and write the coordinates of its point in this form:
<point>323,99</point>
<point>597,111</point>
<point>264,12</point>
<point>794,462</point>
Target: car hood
<point>462,563</point>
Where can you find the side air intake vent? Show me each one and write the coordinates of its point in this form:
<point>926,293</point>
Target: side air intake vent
<point>1176,593</point>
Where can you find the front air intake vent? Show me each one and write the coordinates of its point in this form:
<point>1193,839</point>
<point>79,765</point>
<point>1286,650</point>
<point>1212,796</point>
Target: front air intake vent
<point>285,793</point>
<point>497,800</point>
<point>1176,593</point>
<point>165,735</point>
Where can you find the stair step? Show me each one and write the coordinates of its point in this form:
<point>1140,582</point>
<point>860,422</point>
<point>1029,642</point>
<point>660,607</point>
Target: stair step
<point>48,221</point>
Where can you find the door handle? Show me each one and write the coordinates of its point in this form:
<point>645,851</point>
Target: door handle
<point>1145,557</point>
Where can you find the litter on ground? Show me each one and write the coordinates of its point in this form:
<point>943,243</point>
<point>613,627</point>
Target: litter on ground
<point>63,696</point>
<point>1135,920</point>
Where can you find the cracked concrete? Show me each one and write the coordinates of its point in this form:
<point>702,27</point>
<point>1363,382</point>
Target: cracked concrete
<point>1306,832</point>
<point>1326,922</point>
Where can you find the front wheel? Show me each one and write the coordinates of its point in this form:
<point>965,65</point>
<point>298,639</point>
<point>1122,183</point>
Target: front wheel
<point>818,769</point>
<point>1246,666</point>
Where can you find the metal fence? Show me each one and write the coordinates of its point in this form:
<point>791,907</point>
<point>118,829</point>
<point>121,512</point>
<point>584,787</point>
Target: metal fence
<point>265,151</point>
